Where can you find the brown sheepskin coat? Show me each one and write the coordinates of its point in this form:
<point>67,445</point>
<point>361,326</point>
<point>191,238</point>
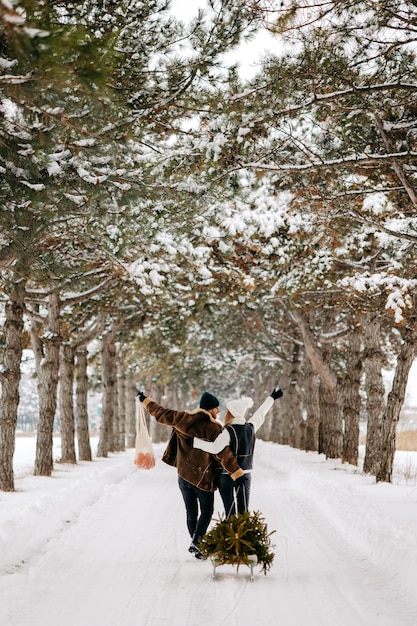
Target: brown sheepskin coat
<point>195,466</point>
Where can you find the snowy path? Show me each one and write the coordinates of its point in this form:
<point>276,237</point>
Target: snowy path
<point>122,559</point>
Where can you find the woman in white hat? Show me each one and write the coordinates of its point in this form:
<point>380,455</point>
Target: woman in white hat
<point>239,435</point>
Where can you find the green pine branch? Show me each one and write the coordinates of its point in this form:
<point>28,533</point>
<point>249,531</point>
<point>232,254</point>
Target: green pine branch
<point>235,539</point>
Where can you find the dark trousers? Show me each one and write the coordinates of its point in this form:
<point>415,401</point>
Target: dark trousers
<point>232,495</point>
<point>199,506</point>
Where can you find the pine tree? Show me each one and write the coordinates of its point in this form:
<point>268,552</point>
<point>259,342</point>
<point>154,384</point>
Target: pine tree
<point>235,539</point>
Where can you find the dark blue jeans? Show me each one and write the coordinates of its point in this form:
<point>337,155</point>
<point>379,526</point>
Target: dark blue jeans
<point>199,506</point>
<point>232,495</point>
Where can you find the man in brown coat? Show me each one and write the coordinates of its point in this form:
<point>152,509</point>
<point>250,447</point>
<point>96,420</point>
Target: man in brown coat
<point>196,469</point>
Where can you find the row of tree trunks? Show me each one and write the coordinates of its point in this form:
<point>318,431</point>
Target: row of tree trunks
<point>55,364</point>
<point>326,421</point>
<point>332,410</point>
<point>118,421</point>
<point>118,396</point>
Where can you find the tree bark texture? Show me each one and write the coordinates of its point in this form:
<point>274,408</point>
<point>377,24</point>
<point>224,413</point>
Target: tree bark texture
<point>47,388</point>
<point>330,429</point>
<point>279,431</point>
<point>395,402</point>
<point>330,413</point>
<point>120,422</point>
<point>12,356</point>
<point>330,425</point>
<point>130,411</point>
<point>352,400</point>
<point>375,393</point>
<point>83,431</point>
<point>171,399</point>
<point>66,403</point>
<point>294,403</point>
<point>271,428</point>
<point>108,375</point>
<point>311,387</point>
<point>320,364</point>
<point>281,425</point>
<point>287,428</point>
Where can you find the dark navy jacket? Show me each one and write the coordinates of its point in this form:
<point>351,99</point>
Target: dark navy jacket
<point>242,443</point>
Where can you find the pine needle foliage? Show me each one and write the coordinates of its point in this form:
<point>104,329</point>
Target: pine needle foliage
<point>235,539</point>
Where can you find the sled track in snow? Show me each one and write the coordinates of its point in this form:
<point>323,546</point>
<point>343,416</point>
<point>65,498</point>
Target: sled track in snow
<point>376,592</point>
<point>338,573</point>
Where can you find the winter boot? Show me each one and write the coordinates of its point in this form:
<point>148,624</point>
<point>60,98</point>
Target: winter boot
<point>195,551</point>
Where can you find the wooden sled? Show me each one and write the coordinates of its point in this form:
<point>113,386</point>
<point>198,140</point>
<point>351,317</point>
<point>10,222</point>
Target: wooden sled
<point>251,562</point>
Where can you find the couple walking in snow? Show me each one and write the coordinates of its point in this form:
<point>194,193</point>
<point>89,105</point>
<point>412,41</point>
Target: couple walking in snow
<point>208,455</point>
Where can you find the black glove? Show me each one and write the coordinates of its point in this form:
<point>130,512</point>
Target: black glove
<point>241,481</point>
<point>141,396</point>
<point>277,393</point>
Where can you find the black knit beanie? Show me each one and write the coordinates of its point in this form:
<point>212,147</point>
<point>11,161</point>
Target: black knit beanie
<point>208,401</point>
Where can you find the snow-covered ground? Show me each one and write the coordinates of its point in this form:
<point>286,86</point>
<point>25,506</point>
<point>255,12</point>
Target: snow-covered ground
<point>105,544</point>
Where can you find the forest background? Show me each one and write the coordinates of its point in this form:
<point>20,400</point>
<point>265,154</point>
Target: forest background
<point>169,222</point>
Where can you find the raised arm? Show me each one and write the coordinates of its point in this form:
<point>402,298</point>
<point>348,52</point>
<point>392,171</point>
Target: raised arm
<point>213,447</point>
<point>258,417</point>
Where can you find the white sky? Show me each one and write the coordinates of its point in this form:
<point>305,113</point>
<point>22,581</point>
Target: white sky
<point>248,54</point>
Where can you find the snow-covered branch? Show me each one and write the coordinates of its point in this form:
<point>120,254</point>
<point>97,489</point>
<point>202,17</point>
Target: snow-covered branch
<point>364,159</point>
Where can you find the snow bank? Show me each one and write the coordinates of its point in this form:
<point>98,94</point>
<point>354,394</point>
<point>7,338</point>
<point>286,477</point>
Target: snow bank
<point>378,520</point>
<point>43,506</point>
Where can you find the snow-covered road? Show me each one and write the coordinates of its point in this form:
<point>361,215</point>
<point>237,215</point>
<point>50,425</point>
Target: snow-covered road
<point>105,544</point>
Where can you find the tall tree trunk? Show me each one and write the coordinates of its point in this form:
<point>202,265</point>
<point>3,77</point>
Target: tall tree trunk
<point>330,440</point>
<point>294,404</point>
<point>311,387</point>
<point>281,429</point>
<point>36,341</point>
<point>170,398</point>
<point>352,400</point>
<point>278,429</point>
<point>330,415</point>
<point>270,429</point>
<point>10,380</point>
<point>108,374</point>
<point>66,403</point>
<point>120,422</point>
<point>83,433</point>
<point>375,392</point>
<point>316,355</point>
<point>329,398</point>
<point>130,411</point>
<point>47,389</point>
<point>394,404</point>
<point>287,428</point>
<point>330,425</point>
